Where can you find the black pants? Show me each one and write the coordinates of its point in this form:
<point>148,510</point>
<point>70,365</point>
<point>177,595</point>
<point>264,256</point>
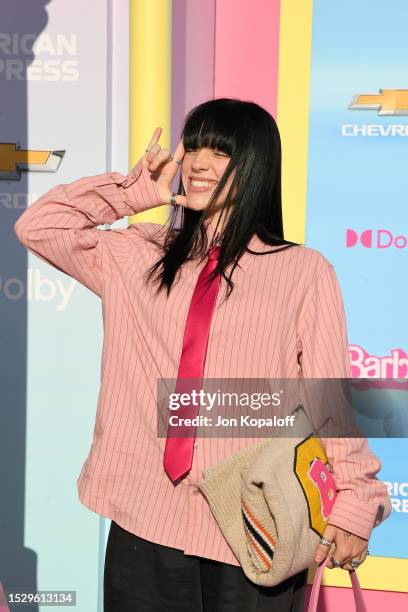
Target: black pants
<point>141,576</point>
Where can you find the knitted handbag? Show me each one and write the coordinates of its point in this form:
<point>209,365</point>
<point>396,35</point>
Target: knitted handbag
<point>359,602</point>
<point>272,501</point>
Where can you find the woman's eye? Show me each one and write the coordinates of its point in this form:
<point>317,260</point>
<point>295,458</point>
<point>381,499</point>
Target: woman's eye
<point>217,153</point>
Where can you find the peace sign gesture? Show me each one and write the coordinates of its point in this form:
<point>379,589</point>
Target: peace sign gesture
<point>163,167</point>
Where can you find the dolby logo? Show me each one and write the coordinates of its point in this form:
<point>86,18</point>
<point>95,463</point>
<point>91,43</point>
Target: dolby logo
<point>375,239</point>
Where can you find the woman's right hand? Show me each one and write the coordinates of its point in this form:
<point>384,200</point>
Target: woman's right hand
<point>163,167</point>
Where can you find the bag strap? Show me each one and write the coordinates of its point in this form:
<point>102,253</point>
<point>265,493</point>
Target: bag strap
<point>357,592</point>
<point>3,603</point>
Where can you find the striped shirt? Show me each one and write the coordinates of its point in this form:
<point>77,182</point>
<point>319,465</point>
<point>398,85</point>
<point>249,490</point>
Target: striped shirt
<point>285,317</point>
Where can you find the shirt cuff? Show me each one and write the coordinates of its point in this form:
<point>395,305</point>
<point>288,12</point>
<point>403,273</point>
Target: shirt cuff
<point>140,187</point>
<point>355,515</point>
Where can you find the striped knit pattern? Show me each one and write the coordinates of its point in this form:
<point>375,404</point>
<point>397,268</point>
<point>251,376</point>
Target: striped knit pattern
<point>288,310</point>
<point>261,542</point>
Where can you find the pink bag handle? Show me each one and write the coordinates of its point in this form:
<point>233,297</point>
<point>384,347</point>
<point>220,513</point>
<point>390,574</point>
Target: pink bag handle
<point>357,592</point>
<point>3,604</point>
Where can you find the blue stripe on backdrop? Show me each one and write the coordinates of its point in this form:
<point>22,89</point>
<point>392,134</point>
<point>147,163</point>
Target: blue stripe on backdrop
<point>357,183</point>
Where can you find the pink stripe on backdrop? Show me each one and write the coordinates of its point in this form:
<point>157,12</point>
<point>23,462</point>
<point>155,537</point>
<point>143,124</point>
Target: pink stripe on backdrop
<point>247,51</point>
<point>339,598</point>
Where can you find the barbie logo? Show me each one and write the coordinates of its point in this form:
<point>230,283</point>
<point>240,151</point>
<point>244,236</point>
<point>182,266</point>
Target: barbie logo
<point>375,239</point>
<point>393,366</point>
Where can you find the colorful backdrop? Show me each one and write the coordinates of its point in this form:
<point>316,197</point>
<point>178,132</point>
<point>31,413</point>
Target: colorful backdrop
<point>82,88</point>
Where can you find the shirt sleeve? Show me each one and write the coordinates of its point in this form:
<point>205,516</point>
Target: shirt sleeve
<point>362,500</point>
<point>60,227</point>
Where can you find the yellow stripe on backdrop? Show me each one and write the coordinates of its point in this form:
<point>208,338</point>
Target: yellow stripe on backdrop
<point>150,25</point>
<point>376,573</point>
<point>295,42</point>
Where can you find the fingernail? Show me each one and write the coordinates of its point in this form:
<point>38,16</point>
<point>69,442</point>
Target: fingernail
<point>318,559</point>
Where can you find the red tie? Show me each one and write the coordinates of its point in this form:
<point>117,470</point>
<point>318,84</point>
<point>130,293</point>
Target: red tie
<point>178,452</point>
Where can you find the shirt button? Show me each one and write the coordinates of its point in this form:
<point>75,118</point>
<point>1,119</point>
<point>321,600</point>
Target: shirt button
<point>195,444</point>
<point>196,491</point>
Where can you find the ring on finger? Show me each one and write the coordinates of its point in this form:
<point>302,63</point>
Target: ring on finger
<point>355,563</point>
<point>325,541</point>
<point>173,199</point>
<point>335,562</point>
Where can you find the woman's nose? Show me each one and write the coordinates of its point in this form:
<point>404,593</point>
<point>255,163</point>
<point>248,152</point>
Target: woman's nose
<point>201,159</point>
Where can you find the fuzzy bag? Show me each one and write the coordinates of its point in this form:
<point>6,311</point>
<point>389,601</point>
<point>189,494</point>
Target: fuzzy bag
<point>272,501</point>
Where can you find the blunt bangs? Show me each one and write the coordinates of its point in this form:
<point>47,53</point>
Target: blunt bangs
<point>212,126</point>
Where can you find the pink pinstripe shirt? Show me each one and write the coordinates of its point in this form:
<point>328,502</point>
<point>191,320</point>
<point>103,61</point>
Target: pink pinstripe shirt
<point>289,310</point>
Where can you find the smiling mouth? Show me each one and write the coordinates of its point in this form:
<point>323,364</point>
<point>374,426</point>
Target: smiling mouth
<point>198,185</point>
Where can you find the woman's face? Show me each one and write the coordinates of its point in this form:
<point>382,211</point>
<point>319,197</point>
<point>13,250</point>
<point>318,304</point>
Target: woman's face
<point>201,171</point>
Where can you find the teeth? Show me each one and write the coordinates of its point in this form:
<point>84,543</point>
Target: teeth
<point>200,183</point>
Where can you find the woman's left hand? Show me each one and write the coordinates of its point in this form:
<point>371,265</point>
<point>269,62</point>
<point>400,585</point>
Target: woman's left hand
<point>345,547</point>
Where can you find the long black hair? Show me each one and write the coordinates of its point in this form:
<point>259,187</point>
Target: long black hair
<point>248,134</point>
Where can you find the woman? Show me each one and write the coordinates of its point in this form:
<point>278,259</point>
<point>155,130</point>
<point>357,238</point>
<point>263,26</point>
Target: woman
<point>278,314</point>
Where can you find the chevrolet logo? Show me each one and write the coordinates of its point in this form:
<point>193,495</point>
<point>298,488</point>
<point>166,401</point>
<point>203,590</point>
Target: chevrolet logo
<point>387,102</point>
<point>13,161</point>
